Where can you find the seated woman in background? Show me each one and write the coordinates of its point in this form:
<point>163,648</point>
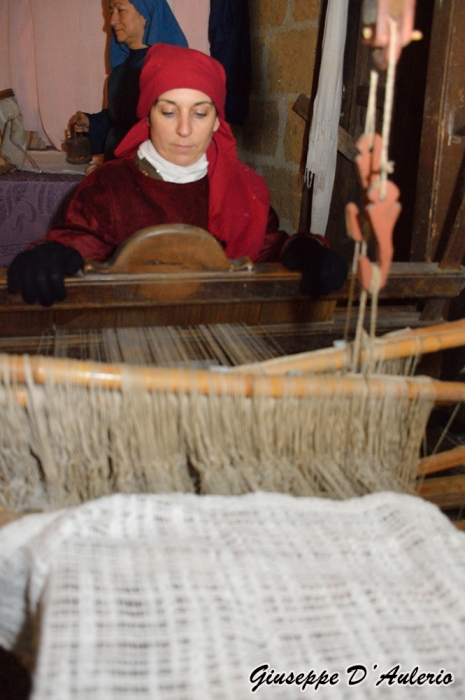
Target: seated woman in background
<point>136,25</point>
<point>178,164</point>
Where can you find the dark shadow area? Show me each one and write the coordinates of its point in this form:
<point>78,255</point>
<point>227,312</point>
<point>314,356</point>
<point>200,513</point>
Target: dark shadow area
<point>15,681</point>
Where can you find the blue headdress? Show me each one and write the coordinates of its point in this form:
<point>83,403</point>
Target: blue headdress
<point>161,26</point>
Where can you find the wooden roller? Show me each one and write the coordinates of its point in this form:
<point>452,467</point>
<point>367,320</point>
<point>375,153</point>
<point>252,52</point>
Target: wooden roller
<point>184,381</point>
<point>395,346</point>
<point>442,461</point>
<point>169,248</point>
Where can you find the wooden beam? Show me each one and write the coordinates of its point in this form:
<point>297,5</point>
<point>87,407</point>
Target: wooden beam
<point>444,491</point>
<point>266,282</point>
<point>440,153</point>
<point>442,461</point>
<point>346,143</point>
<point>455,249</point>
<point>268,294</point>
<point>457,117</point>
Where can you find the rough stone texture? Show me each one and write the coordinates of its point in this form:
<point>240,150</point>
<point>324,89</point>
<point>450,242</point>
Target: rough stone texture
<point>259,71</point>
<point>291,60</point>
<point>285,188</point>
<point>273,139</point>
<point>305,9</point>
<point>259,135</point>
<point>266,14</point>
<point>295,137</point>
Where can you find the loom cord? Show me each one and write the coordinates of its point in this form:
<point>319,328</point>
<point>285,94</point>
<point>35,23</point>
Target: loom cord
<point>132,429</point>
<point>386,168</point>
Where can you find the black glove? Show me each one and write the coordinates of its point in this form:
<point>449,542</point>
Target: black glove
<point>323,270</point>
<point>38,273</point>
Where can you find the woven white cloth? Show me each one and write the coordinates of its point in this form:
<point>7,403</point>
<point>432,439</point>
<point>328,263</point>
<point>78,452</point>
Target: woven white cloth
<point>323,136</point>
<point>183,597</point>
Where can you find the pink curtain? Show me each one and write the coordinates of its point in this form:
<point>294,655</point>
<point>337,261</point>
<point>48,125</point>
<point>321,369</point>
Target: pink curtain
<point>5,79</point>
<point>56,61</point>
<point>192,16</point>
<point>53,55</point>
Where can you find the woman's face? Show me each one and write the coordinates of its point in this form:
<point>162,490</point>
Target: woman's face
<point>182,123</point>
<point>127,23</point>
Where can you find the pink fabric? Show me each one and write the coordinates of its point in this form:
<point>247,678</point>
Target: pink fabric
<point>70,65</point>
<point>56,61</point>
<point>53,55</point>
<point>22,52</point>
<point>193,16</point>
<point>5,77</point>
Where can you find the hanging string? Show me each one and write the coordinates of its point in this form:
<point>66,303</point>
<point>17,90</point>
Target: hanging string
<point>350,301</point>
<point>370,118</point>
<point>370,121</point>
<point>361,315</point>
<point>386,168</point>
<point>446,429</point>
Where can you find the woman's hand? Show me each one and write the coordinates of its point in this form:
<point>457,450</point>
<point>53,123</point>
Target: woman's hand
<point>39,272</point>
<point>95,163</point>
<point>323,270</point>
<point>79,121</point>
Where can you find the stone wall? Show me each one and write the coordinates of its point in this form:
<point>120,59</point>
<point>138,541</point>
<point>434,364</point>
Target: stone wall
<point>284,38</point>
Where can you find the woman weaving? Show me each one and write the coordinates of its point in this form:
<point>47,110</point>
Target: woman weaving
<point>178,164</point>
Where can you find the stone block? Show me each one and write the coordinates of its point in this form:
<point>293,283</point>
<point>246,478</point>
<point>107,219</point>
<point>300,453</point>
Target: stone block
<point>266,14</point>
<point>259,79</point>
<point>259,134</point>
<point>294,136</point>
<point>286,190</point>
<point>291,59</point>
<point>306,9</point>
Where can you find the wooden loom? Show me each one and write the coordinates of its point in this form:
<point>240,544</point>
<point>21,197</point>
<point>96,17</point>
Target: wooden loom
<point>211,290</point>
<point>163,289</point>
<point>262,394</point>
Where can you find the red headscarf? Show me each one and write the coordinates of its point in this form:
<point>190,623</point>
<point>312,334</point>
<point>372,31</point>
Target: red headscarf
<point>239,200</point>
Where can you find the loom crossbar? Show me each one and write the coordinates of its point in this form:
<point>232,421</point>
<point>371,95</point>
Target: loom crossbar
<point>394,346</point>
<point>180,381</point>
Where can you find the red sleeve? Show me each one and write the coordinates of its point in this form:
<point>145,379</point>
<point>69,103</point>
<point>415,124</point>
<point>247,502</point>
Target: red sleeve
<point>117,200</point>
<point>82,229</point>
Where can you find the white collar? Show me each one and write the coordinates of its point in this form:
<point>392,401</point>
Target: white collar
<point>169,171</point>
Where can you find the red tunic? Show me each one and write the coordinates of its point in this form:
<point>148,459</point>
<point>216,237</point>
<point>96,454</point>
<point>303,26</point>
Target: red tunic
<point>118,200</point>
